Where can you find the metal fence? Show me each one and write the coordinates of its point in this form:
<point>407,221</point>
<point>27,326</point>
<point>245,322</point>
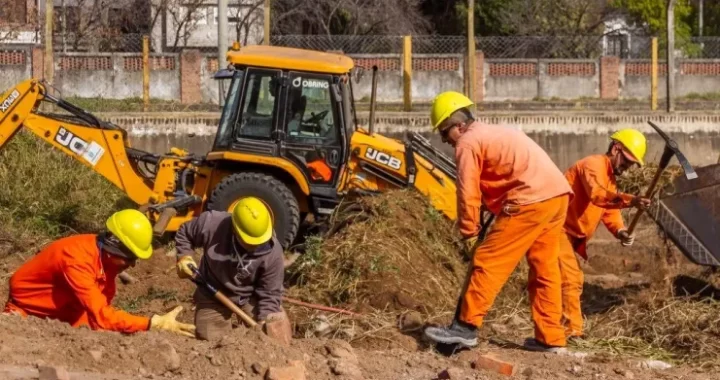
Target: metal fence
<point>626,46</point>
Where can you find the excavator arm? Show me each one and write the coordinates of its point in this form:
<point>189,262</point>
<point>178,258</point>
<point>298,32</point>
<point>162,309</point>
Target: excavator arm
<point>378,163</point>
<point>99,145</point>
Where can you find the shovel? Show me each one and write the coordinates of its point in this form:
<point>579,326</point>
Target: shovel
<point>200,281</point>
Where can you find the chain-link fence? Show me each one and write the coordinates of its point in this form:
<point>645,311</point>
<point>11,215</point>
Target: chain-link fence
<point>625,46</point>
<point>98,42</point>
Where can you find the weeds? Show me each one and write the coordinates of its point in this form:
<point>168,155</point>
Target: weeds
<point>45,194</point>
<point>134,304</point>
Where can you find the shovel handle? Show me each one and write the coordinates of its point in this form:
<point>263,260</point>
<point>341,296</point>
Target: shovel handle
<point>198,279</point>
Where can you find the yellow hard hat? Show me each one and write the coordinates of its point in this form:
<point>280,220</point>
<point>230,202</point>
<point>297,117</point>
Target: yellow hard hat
<point>252,221</point>
<point>445,104</point>
<point>134,231</point>
<point>634,141</point>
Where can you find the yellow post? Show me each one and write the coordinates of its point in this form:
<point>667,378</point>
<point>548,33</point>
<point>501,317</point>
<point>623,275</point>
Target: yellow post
<point>266,26</point>
<point>49,63</point>
<point>654,75</point>
<point>407,73</point>
<point>471,50</point>
<point>146,73</point>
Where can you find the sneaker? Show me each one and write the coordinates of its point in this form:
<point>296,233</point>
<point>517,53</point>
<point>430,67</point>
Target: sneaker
<point>533,345</point>
<point>457,333</point>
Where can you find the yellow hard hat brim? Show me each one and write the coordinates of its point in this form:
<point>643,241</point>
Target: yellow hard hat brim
<point>631,157</point>
<point>255,240</point>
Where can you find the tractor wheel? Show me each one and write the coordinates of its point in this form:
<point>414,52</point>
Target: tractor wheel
<point>276,195</point>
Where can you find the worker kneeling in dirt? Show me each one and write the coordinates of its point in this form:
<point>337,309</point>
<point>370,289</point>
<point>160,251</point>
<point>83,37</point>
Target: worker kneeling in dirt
<point>242,259</point>
<point>593,180</point>
<point>73,279</point>
<point>505,170</point>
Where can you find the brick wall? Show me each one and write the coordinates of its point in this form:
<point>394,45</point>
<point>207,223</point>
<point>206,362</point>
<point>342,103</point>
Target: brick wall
<point>609,77</point>
<point>190,61</point>
<point>117,75</point>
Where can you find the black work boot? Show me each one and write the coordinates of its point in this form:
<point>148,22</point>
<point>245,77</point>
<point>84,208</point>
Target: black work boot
<point>458,332</point>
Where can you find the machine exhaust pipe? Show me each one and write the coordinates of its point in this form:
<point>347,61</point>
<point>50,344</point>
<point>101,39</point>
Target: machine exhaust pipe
<point>373,95</point>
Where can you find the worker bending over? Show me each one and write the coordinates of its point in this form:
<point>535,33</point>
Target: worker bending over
<point>517,181</point>
<point>242,259</point>
<point>73,279</point>
<point>593,180</point>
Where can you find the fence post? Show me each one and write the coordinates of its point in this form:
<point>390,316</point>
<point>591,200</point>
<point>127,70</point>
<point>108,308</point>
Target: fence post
<point>146,73</point>
<point>471,50</point>
<point>49,62</point>
<point>654,75</point>
<point>407,73</point>
<point>671,55</point>
<point>266,26</point>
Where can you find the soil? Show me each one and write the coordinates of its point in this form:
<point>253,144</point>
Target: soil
<point>397,352</point>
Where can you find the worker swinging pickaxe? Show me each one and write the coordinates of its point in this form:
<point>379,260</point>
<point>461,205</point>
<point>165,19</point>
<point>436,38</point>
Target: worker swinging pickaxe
<point>671,149</point>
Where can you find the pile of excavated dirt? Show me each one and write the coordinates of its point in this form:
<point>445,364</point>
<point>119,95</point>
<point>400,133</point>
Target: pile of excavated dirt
<point>392,258</point>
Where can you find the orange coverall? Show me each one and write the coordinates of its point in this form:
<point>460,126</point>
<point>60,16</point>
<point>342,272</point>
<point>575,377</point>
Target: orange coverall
<point>519,183</point>
<point>66,281</point>
<point>596,199</point>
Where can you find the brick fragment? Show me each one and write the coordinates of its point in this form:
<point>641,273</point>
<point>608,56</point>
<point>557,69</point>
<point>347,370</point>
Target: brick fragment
<point>490,362</point>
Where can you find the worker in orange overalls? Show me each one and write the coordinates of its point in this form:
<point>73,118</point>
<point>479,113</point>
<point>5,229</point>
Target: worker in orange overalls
<point>515,179</point>
<point>73,279</point>
<point>596,199</point>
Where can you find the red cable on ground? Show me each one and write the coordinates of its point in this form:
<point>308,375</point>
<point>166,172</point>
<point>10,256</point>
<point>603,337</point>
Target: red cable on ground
<point>320,307</point>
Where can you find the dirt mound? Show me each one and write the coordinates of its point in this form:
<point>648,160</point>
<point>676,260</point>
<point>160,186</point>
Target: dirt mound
<point>383,256</point>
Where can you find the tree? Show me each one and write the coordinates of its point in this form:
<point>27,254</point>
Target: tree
<point>348,17</point>
<point>651,16</point>
<point>538,17</point>
<point>248,18</point>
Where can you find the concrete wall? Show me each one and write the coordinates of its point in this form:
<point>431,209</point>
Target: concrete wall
<point>187,76</point>
<point>111,76</point>
<point>567,137</point>
<point>15,66</point>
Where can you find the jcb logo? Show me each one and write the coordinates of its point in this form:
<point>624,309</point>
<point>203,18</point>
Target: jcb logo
<point>70,141</point>
<point>383,158</point>
<point>91,152</point>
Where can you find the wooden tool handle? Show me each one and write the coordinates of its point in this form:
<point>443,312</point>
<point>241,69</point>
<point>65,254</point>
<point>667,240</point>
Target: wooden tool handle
<point>648,194</point>
<point>235,309</point>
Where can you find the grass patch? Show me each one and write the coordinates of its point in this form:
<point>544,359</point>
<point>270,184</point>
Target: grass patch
<point>45,194</point>
<point>134,304</point>
<point>136,105</point>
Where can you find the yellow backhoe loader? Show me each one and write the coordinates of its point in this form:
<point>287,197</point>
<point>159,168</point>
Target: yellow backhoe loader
<point>288,134</point>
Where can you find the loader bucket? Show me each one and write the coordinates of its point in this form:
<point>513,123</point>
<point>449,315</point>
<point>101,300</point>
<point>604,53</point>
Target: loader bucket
<point>689,213</point>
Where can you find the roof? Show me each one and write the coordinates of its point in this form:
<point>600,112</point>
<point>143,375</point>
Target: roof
<point>290,59</point>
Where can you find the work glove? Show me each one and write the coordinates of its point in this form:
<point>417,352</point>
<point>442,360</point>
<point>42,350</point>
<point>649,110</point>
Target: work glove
<point>168,322</point>
<point>626,239</point>
<point>469,246</point>
<point>183,267</point>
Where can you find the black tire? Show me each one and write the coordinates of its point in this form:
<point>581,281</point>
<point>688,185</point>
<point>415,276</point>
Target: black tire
<point>277,196</point>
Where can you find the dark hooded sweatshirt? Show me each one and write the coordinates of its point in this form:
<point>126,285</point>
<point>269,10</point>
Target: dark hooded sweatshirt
<point>227,266</point>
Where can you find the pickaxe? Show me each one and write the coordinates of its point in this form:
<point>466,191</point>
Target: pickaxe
<point>200,281</point>
<point>671,149</point>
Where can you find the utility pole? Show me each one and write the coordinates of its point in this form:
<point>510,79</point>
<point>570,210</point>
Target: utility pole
<point>671,55</point>
<point>49,63</point>
<point>222,44</point>
<point>700,18</point>
<point>471,50</point>
<point>266,25</point>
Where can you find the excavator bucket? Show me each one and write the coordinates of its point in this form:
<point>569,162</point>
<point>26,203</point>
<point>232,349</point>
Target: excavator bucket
<point>689,213</point>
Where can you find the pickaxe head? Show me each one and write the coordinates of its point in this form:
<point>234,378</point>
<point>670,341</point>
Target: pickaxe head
<point>672,149</point>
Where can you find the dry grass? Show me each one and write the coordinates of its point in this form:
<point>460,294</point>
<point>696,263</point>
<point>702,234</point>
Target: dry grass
<point>45,194</point>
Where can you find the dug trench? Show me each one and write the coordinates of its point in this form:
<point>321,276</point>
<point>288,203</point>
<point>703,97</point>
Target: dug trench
<point>392,259</point>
